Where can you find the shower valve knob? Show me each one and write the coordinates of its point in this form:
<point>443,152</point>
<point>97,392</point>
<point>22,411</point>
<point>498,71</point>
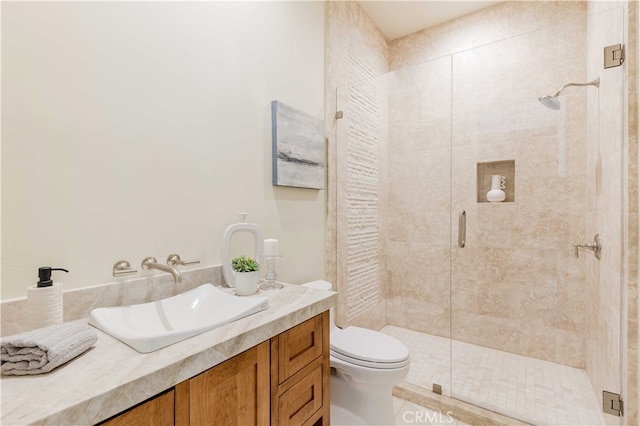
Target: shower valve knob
<point>595,246</point>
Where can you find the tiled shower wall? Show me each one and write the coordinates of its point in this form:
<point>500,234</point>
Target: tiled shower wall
<point>515,286</point>
<point>357,52</point>
<point>630,334</point>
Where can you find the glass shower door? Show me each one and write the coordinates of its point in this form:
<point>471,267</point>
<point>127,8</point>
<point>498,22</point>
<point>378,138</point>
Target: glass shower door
<point>393,166</point>
<point>520,299</point>
<point>418,210</point>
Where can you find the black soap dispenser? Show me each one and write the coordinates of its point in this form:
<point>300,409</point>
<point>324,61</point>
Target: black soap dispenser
<point>44,275</point>
<point>44,300</point>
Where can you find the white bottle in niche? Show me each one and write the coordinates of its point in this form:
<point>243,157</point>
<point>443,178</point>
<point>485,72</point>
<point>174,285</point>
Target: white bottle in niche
<point>496,194</point>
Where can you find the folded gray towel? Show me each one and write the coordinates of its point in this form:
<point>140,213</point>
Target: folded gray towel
<point>40,351</point>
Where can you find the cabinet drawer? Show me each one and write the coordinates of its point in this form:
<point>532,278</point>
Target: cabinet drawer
<point>302,400</point>
<point>298,347</point>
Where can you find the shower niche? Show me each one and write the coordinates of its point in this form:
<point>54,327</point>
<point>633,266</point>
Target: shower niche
<point>505,171</point>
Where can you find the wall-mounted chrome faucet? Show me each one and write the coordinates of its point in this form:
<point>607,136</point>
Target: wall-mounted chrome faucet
<point>595,246</point>
<point>152,263</point>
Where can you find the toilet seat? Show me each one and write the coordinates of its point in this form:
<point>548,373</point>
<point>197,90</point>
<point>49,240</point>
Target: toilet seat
<point>368,348</point>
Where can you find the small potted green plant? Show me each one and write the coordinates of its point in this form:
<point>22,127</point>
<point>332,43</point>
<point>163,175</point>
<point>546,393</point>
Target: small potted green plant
<point>246,275</point>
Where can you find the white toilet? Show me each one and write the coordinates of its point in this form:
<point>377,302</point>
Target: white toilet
<point>365,366</point>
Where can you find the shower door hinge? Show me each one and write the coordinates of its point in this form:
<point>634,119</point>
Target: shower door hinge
<point>339,115</point>
<point>612,403</point>
<point>613,55</point>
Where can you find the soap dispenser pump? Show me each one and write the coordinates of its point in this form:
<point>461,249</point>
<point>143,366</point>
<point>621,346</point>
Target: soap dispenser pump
<point>44,300</point>
<point>44,275</point>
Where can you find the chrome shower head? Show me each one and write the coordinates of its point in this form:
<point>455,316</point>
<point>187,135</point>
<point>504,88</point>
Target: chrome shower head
<point>553,102</point>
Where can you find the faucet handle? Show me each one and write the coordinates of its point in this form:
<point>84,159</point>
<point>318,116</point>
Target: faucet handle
<point>122,267</point>
<point>174,260</point>
<point>147,261</point>
<point>577,252</point>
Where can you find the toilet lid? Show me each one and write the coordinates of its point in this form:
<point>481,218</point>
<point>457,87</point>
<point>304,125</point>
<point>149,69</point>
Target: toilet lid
<point>372,348</point>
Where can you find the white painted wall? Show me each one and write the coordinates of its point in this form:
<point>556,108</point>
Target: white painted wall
<point>141,129</point>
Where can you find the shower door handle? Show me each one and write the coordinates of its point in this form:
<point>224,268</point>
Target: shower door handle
<point>462,229</point>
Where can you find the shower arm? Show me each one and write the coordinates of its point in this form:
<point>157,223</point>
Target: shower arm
<point>594,82</point>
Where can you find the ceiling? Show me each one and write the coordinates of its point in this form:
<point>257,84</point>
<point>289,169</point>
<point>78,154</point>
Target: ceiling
<point>397,18</point>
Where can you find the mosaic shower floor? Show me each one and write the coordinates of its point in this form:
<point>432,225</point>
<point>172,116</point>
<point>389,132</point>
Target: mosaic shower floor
<point>527,389</point>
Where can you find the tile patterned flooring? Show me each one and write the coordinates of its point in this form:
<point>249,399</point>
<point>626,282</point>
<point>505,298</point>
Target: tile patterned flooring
<point>527,389</point>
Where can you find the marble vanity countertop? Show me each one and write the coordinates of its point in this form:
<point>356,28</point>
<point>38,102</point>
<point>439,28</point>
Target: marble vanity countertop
<point>112,377</point>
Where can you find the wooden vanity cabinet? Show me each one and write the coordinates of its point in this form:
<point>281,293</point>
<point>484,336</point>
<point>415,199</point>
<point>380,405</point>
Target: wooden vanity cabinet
<point>300,374</point>
<point>283,381</point>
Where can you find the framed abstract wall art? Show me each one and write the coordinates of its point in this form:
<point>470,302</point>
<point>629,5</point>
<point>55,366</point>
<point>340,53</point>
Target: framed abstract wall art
<point>298,152</point>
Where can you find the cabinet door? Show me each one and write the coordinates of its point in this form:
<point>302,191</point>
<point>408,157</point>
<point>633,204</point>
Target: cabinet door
<point>157,411</point>
<point>235,392</point>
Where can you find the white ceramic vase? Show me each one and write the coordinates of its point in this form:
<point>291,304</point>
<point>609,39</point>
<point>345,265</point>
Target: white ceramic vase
<point>496,194</point>
<point>246,283</point>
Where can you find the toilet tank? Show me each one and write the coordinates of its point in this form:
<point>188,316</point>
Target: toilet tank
<point>318,285</point>
<point>323,285</point>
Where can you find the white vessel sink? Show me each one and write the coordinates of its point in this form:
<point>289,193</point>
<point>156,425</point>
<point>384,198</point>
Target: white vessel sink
<point>150,326</point>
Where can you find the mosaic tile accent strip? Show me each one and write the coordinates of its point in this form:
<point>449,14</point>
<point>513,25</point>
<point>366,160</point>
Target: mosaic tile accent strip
<point>363,271</point>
